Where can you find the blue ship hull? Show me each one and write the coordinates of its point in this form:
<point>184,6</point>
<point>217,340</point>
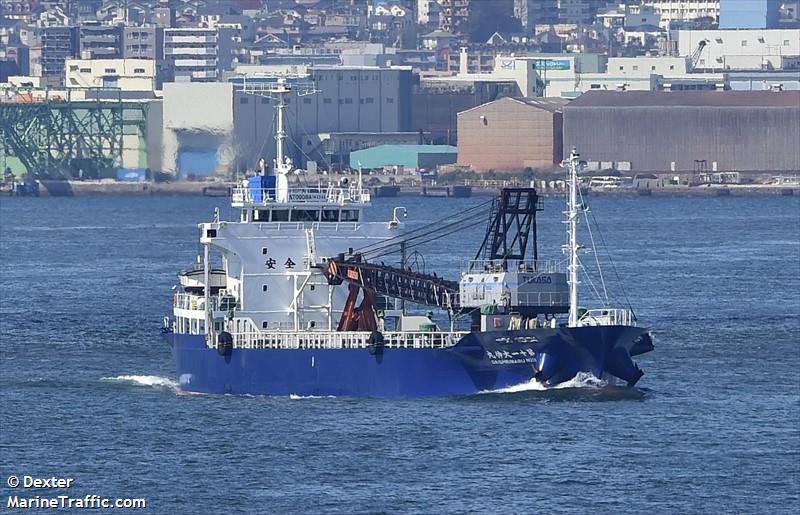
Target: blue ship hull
<point>479,362</point>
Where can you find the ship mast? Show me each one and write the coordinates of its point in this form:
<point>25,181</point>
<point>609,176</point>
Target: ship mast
<point>282,165</point>
<point>571,165</point>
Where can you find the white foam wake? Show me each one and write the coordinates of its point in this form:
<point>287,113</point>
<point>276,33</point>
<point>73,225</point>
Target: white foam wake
<point>295,397</point>
<point>582,380</point>
<point>152,381</point>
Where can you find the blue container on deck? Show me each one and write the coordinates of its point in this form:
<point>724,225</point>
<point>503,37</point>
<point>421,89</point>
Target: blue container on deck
<point>260,186</point>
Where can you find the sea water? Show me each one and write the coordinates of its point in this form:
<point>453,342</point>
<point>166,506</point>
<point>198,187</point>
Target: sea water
<point>88,390</point>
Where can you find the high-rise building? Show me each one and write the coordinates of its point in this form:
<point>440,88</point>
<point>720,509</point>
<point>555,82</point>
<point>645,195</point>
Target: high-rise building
<point>58,44</point>
<point>684,10</point>
<point>453,14</point>
<point>198,54</point>
<point>532,12</point>
<point>100,41</point>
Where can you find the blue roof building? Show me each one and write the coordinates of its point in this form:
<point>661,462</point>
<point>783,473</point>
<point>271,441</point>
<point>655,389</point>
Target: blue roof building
<point>407,156</point>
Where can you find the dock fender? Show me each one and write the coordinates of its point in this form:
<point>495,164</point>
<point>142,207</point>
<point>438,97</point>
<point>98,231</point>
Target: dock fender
<point>376,343</point>
<point>225,343</point>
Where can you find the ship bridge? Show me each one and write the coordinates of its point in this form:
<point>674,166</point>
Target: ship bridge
<point>261,200</point>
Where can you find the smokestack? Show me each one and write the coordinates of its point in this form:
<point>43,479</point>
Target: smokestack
<point>463,68</point>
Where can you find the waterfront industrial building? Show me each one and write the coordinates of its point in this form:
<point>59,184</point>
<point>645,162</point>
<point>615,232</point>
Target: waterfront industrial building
<point>400,157</point>
<point>511,134</point>
<point>688,131</point>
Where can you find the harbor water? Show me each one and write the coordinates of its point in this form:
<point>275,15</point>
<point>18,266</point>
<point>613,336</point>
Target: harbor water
<point>88,391</point>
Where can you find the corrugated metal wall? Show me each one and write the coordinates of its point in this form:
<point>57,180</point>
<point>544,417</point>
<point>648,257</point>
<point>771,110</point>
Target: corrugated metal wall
<point>738,138</point>
<point>508,135</point>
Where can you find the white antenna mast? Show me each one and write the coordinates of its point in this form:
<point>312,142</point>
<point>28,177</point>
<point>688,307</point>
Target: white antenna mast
<point>571,164</point>
<point>283,164</point>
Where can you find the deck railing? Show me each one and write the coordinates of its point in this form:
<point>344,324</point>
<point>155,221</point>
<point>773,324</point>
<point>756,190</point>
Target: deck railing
<point>257,339</point>
<point>547,266</point>
<point>607,316</point>
<point>314,195</point>
<point>193,302</point>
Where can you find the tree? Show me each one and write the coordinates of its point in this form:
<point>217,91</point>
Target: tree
<point>484,20</point>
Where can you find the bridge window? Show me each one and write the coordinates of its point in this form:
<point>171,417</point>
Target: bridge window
<point>349,215</point>
<point>262,215</point>
<point>305,215</point>
<point>280,215</point>
<point>330,215</point>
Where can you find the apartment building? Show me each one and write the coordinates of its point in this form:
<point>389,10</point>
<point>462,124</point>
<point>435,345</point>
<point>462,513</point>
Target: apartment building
<point>684,10</point>
<point>198,54</point>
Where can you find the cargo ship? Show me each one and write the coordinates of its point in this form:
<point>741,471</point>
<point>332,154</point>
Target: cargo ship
<point>292,298</point>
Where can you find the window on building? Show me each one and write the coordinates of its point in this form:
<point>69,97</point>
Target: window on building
<point>330,215</point>
<point>389,100</point>
<point>595,86</point>
<point>349,215</point>
<point>785,42</point>
<point>138,70</point>
<point>86,70</point>
<point>652,68</point>
<point>306,100</point>
<point>305,215</point>
<point>111,70</point>
<point>671,66</point>
<point>348,100</point>
<point>73,67</point>
<point>280,215</point>
<point>744,42</point>
<point>244,100</point>
<point>635,67</point>
<point>621,68</point>
<point>327,101</point>
<point>370,100</point>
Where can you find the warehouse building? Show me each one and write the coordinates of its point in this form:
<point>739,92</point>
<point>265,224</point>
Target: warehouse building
<point>511,134</point>
<point>685,131</point>
<point>406,156</point>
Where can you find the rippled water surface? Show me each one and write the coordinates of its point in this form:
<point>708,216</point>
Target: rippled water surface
<point>88,389</point>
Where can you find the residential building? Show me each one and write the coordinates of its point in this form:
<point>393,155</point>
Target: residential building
<point>453,14</point>
<point>684,10</point>
<point>143,43</point>
<point>100,41</point>
<point>428,12</point>
<point>533,12</point>
<point>57,45</point>
<point>628,15</point>
<point>198,54</point>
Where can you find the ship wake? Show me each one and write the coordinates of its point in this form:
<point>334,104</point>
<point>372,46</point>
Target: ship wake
<point>142,380</point>
<point>584,380</point>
